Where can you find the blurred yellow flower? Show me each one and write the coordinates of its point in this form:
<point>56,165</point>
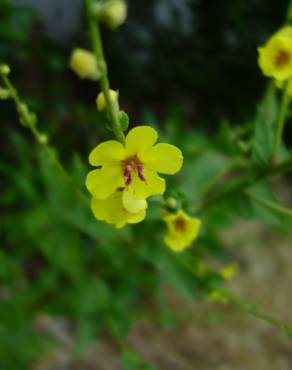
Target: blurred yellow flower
<point>229,271</point>
<point>101,102</point>
<point>182,230</point>
<point>84,64</point>
<point>119,208</point>
<point>217,296</point>
<point>132,166</point>
<point>275,58</point>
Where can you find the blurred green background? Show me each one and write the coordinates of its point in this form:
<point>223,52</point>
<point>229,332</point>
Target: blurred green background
<point>177,64</point>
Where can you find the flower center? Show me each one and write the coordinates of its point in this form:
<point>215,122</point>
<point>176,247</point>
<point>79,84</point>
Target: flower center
<point>180,224</point>
<point>282,58</point>
<point>132,165</point>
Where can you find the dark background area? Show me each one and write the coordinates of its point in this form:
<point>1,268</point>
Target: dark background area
<point>187,66</point>
<point>197,56</point>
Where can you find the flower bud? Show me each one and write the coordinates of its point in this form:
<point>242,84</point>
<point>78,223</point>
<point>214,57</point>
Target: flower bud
<point>113,12</point>
<point>4,69</point>
<point>23,109</point>
<point>171,203</point>
<point>84,64</point>
<point>4,93</point>
<point>101,102</point>
<point>43,139</point>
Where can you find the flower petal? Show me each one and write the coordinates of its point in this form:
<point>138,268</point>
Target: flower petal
<point>110,210</point>
<point>163,158</point>
<point>109,152</point>
<point>175,243</point>
<point>152,185</point>
<point>137,217</point>
<point>131,204</point>
<point>103,182</point>
<point>140,139</point>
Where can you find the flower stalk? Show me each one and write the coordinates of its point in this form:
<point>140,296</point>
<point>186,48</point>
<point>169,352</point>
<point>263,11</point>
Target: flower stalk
<point>29,120</point>
<point>102,66</point>
<point>280,123</point>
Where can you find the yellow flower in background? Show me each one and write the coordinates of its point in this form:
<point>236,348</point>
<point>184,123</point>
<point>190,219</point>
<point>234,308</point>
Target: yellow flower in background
<point>275,58</point>
<point>84,64</point>
<point>217,296</point>
<point>182,230</point>
<point>229,271</point>
<point>101,102</point>
<point>119,209</point>
<point>132,166</point>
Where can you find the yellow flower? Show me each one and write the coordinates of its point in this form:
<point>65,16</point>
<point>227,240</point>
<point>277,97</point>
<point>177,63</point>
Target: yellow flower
<point>119,208</point>
<point>101,102</point>
<point>182,230</point>
<point>132,166</point>
<point>217,296</point>
<point>275,58</point>
<point>229,271</point>
<point>84,64</point>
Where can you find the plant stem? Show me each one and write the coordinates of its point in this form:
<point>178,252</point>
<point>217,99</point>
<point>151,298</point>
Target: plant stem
<point>31,125</point>
<point>101,62</point>
<point>289,13</point>
<point>240,185</point>
<point>266,203</point>
<point>280,123</point>
<point>26,115</point>
<point>255,311</point>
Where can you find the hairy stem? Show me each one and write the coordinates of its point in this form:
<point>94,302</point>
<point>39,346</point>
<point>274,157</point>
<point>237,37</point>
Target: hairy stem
<point>280,123</point>
<point>27,119</point>
<point>270,205</point>
<point>104,81</point>
<point>238,186</point>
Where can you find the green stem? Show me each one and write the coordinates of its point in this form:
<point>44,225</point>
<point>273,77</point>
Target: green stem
<point>289,13</point>
<point>238,186</point>
<point>26,115</point>
<point>254,310</point>
<point>280,123</point>
<point>27,118</point>
<point>266,203</point>
<point>104,81</point>
<point>216,180</point>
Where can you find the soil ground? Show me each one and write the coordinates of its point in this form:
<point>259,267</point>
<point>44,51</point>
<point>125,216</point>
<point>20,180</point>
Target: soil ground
<point>236,341</point>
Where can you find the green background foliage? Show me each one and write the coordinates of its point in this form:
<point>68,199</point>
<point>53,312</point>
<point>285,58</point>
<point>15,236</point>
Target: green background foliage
<point>195,87</point>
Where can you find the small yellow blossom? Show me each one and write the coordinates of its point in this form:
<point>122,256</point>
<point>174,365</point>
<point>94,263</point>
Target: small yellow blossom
<point>101,102</point>
<point>84,64</point>
<point>229,271</point>
<point>119,208</point>
<point>182,230</point>
<point>275,58</point>
<point>132,166</point>
<point>217,296</point>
